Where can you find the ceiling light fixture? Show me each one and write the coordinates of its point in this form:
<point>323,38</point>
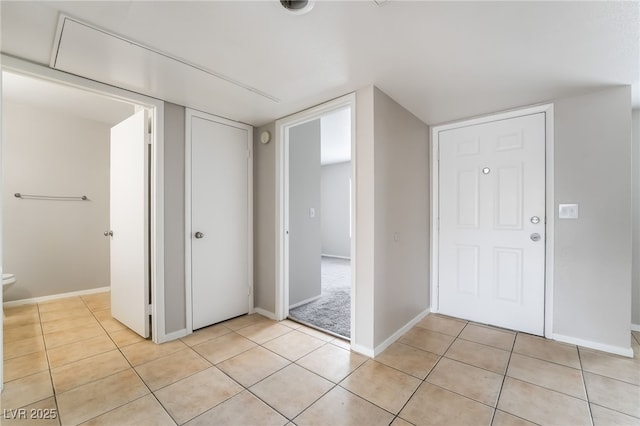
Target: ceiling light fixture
<point>297,7</point>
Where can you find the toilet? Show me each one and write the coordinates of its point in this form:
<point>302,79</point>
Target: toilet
<point>7,280</point>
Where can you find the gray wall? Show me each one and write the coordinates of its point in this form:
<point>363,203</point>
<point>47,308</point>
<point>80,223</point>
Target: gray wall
<point>304,231</point>
<point>592,281</point>
<point>174,233</point>
<point>264,220</point>
<point>334,198</point>
<point>635,294</point>
<point>54,247</point>
<point>401,216</point>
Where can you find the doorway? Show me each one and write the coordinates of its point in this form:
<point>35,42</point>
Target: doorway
<point>155,261</point>
<point>492,220</point>
<point>317,217</point>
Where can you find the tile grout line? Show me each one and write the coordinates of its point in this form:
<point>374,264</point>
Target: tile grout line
<point>504,378</point>
<point>46,353</point>
<point>584,384</point>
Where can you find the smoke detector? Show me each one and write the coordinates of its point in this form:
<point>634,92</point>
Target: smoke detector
<point>297,7</point>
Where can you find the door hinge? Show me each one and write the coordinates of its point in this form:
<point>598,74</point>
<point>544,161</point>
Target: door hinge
<point>149,309</point>
<point>147,138</point>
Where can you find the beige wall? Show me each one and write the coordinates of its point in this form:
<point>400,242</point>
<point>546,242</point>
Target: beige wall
<point>54,247</point>
<point>592,280</point>
<point>264,218</point>
<point>305,239</point>
<point>174,225</point>
<point>635,293</point>
<point>401,216</point>
<point>335,193</point>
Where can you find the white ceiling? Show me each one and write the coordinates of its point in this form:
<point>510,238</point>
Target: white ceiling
<point>441,60</point>
<point>63,99</point>
<point>335,137</point>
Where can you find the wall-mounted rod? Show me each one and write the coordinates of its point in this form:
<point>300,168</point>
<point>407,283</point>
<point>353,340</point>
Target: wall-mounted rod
<point>50,197</point>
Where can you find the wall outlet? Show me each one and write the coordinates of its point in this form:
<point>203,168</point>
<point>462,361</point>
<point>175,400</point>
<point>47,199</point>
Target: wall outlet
<point>568,211</point>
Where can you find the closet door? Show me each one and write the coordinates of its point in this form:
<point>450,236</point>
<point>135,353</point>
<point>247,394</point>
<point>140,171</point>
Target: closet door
<point>220,239</point>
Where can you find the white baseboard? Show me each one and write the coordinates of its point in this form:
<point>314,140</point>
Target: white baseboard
<point>395,336</point>
<point>635,327</point>
<point>175,335</point>
<point>335,256</point>
<point>304,302</point>
<point>55,297</point>
<point>618,350</point>
<point>265,313</point>
<point>372,353</point>
<point>363,350</point>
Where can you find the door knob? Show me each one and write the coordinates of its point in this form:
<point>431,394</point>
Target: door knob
<point>535,237</point>
<point>199,235</point>
<point>108,233</point>
<point>535,219</point>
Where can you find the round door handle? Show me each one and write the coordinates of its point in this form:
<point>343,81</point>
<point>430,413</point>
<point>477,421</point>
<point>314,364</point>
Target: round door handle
<point>535,237</point>
<point>199,235</point>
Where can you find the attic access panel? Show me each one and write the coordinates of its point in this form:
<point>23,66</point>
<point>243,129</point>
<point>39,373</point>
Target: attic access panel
<point>99,55</point>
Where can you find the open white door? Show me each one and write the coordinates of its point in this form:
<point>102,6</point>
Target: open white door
<point>130,223</point>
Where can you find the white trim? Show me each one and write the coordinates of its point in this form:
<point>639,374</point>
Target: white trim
<point>177,334</point>
<point>395,336</point>
<point>156,108</point>
<point>333,256</point>
<point>547,109</point>
<point>189,114</point>
<point>265,313</point>
<point>304,302</point>
<point>50,297</point>
<point>635,327</point>
<point>618,350</point>
<point>282,200</point>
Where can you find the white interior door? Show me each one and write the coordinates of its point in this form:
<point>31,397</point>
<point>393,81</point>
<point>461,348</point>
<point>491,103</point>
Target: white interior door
<point>129,223</point>
<point>492,223</point>
<point>220,259</point>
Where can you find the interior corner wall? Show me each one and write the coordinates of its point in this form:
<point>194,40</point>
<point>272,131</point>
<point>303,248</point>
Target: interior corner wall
<point>362,336</point>
<point>635,187</point>
<point>592,279</point>
<point>54,247</point>
<point>335,199</point>
<point>401,216</point>
<point>305,238</point>
<point>174,220</point>
<point>264,219</point>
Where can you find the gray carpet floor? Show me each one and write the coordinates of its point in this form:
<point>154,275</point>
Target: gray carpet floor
<point>332,311</point>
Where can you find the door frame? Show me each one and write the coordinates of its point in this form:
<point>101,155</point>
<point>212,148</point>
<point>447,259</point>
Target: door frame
<point>189,115</point>
<point>156,165</point>
<point>547,109</point>
<point>282,200</point>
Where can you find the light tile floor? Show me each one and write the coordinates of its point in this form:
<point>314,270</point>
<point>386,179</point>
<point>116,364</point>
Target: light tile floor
<point>71,358</point>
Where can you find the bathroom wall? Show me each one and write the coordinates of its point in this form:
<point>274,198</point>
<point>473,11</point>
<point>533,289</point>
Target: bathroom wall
<point>335,194</point>
<point>305,238</point>
<point>54,247</point>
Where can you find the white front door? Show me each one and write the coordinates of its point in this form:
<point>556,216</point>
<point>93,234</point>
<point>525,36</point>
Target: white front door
<point>220,258</point>
<point>129,223</point>
<point>492,223</point>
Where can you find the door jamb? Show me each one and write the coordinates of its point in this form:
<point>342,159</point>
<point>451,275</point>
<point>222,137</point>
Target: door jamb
<point>156,108</point>
<point>189,114</point>
<point>282,200</point>
<point>547,109</point>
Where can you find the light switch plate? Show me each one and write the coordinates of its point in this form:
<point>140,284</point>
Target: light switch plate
<point>568,211</point>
